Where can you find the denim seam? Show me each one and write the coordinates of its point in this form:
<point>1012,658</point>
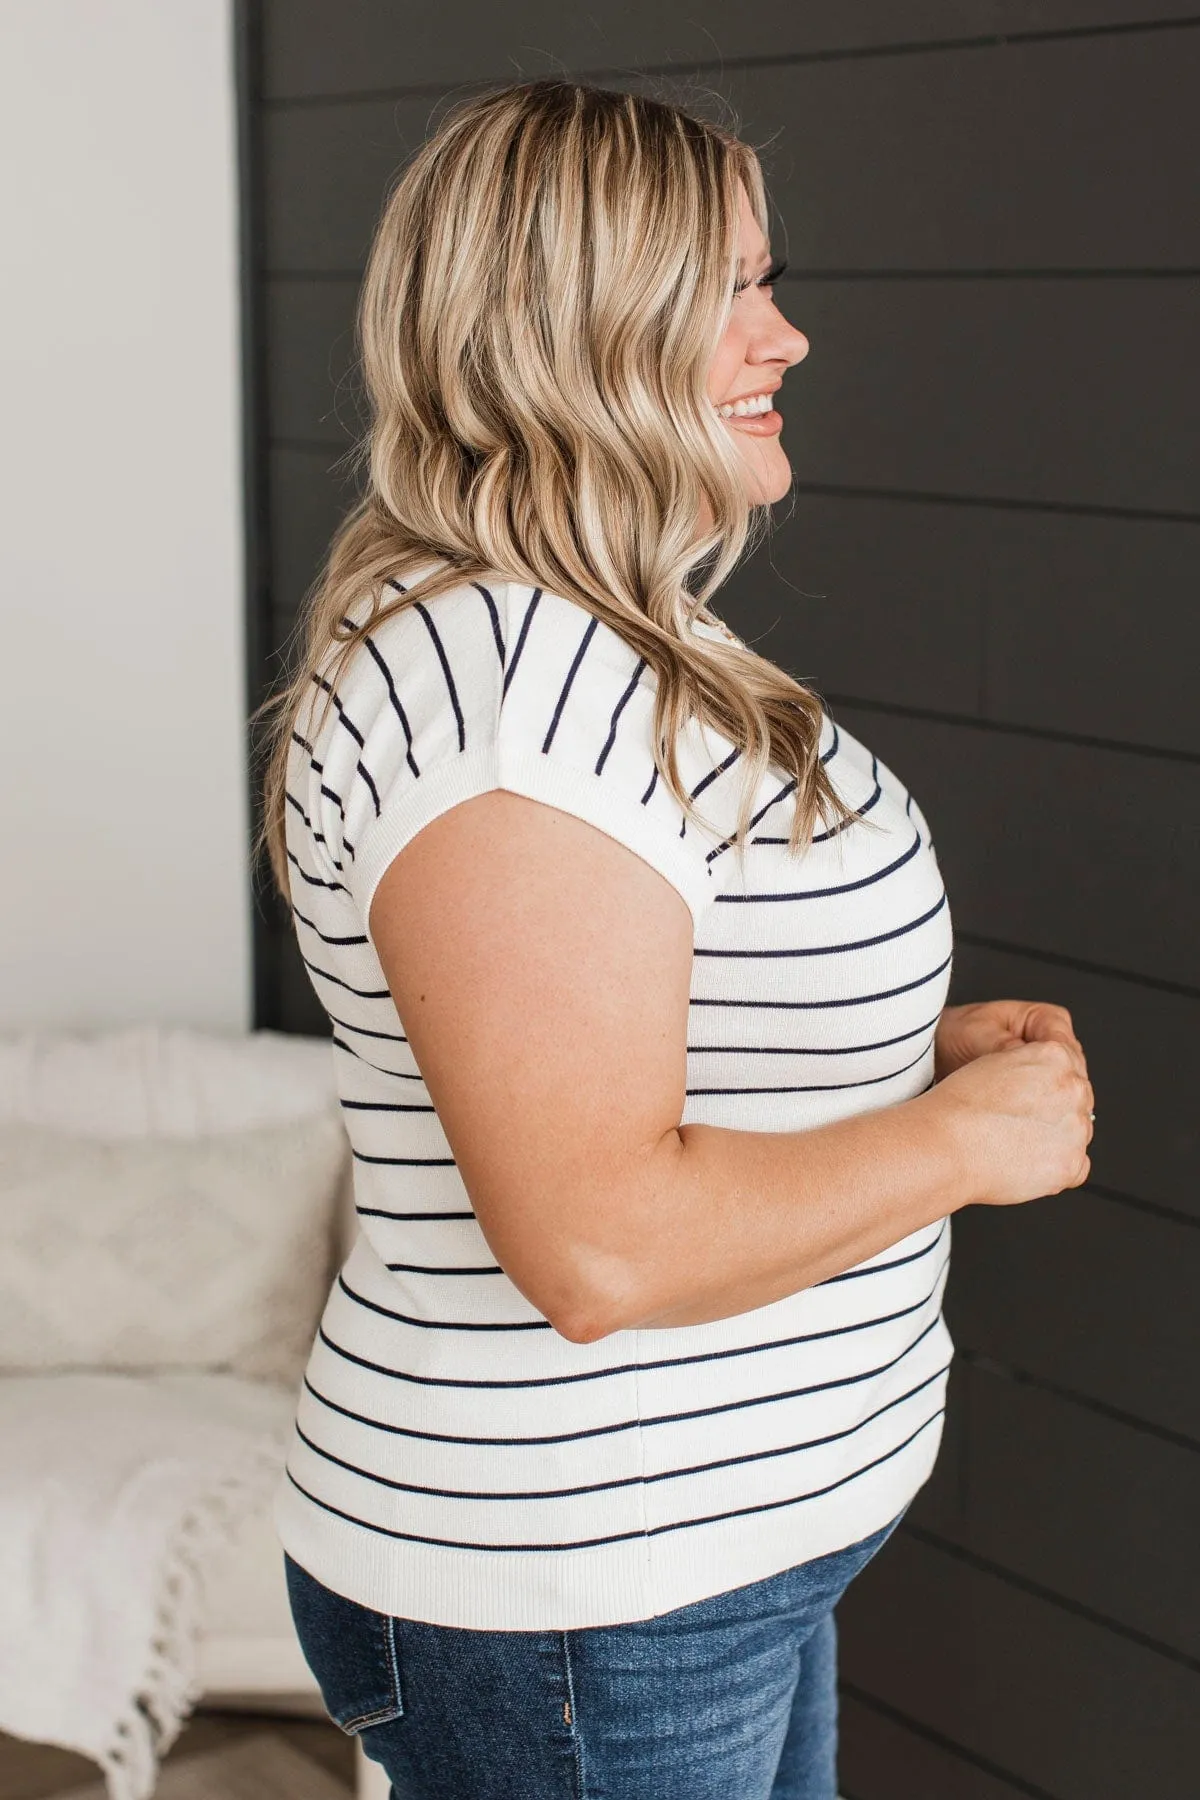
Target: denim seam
<point>576,1743</point>
<point>394,1664</point>
<point>393,1708</point>
<point>379,1717</point>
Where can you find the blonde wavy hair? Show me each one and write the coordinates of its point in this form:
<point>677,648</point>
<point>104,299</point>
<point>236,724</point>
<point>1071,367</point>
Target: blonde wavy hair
<point>546,290</point>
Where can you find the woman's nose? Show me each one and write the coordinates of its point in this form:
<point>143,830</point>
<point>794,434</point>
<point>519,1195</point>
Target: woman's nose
<point>797,344</point>
<point>780,340</point>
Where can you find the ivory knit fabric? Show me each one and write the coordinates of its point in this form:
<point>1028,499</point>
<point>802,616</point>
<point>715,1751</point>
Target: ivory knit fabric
<point>455,1459</point>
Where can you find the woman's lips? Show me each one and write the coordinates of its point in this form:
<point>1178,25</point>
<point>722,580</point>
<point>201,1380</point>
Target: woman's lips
<point>766,424</point>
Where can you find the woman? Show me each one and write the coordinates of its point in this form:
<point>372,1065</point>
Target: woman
<point>636,965</point>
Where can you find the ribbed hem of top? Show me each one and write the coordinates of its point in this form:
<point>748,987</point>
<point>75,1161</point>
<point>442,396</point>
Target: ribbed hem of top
<point>586,796</point>
<point>613,1584</point>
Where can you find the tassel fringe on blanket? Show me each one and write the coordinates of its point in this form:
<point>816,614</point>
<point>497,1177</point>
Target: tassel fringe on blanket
<point>129,1490</point>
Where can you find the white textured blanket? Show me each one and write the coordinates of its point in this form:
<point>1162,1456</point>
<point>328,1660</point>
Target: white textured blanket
<point>127,1488</point>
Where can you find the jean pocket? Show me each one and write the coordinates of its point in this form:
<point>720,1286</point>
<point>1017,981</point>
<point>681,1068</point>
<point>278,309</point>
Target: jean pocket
<point>352,1651</point>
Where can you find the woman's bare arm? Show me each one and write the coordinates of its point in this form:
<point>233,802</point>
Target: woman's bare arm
<point>541,971</point>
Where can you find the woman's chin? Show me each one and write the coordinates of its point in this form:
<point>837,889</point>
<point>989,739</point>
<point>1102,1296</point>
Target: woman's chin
<point>766,485</point>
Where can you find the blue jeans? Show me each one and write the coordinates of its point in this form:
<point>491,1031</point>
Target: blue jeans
<point>731,1698</point>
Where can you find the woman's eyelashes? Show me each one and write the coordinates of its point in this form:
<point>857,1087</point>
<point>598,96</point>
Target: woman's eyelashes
<point>768,277</point>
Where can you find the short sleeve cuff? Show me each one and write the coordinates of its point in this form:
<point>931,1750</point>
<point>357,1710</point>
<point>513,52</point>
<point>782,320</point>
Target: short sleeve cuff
<point>681,860</point>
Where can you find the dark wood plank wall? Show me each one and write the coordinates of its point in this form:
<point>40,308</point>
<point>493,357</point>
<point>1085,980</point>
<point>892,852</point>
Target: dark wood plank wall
<point>990,569</point>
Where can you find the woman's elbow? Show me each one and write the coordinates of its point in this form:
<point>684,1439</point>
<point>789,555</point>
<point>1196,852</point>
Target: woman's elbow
<point>586,1283</point>
<point>583,1326</point>
<point>590,1303</point>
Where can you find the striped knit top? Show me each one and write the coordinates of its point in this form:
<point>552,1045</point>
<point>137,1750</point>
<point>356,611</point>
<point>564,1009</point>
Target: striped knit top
<point>454,1458</point>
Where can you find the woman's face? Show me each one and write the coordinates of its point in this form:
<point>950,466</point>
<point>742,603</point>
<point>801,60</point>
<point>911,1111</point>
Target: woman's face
<point>756,350</point>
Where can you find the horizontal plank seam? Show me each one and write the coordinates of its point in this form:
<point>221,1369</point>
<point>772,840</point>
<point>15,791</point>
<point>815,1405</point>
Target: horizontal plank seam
<point>990,1365</point>
<point>995,502</point>
<point>1085,740</point>
<point>727,64</point>
<point>1001,1572</point>
<point>932,1736</point>
<point>1058,960</point>
<point>347,275</point>
<point>1155,1208</point>
<point>339,449</point>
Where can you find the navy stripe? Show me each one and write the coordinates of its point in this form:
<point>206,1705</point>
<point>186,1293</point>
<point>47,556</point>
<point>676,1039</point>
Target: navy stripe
<point>497,634</point>
<point>393,696</point>
<point>905,987</point>
<point>807,1049</point>
<point>883,937</point>
<point>823,837</point>
<point>446,671</point>
<point>370,781</point>
<point>825,1087</point>
<point>335,887</point>
<point>345,719</point>
<point>787,788</point>
<point>381,1212</point>
<point>653,785</point>
<point>588,635</point>
<point>318,837</point>
<point>387,1106</point>
<point>587,1431</point>
<point>618,709</point>
<point>662,1362</point>
<point>390,1037</point>
<point>521,636</point>
<point>898,1262</point>
<point>388,1312</point>
<point>727,843</point>
<point>860,812</point>
<point>342,714</point>
<point>319,767</point>
<point>340,803</point>
<point>305,745</point>
<point>358,938</point>
<point>847,887</point>
<point>618,1537</point>
<point>853,999</point>
<point>362,993</point>
<point>394,1074</point>
<point>714,774</point>
<point>625,1481</point>
<point>428,1269</point>
<point>406,1162</point>
<point>329,794</point>
<point>292,801</point>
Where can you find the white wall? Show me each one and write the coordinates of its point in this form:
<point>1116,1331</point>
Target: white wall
<point>122,803</point>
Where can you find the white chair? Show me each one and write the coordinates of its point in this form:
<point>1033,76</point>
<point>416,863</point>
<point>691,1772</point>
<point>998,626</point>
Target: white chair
<point>151,1080</point>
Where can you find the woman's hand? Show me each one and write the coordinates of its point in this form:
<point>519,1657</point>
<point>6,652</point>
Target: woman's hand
<point>967,1032</point>
<point>1022,1118</point>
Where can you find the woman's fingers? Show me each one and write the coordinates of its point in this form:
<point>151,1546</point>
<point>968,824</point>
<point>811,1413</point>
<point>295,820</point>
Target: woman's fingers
<point>1052,1024</point>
